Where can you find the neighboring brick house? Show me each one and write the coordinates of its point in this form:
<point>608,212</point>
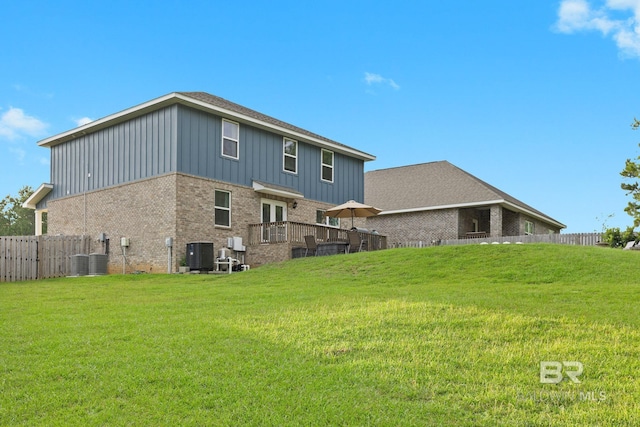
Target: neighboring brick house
<point>195,168</point>
<point>437,201</point>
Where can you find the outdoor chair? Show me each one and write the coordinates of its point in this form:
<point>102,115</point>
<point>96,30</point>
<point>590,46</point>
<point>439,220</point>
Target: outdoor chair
<point>355,242</point>
<point>310,241</point>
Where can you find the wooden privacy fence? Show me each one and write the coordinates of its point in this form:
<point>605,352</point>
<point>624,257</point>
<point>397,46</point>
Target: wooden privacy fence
<point>579,239</point>
<point>39,257</point>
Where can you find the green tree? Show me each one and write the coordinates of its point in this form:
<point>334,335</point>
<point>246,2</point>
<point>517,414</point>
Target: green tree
<point>14,219</point>
<point>617,238</point>
<point>631,171</point>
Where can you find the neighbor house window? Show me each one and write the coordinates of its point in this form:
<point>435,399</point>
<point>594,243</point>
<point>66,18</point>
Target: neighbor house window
<point>223,208</point>
<point>230,139</point>
<point>290,153</point>
<point>528,227</point>
<point>327,165</point>
<point>322,218</point>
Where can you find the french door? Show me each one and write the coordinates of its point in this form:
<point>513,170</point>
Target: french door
<point>273,218</point>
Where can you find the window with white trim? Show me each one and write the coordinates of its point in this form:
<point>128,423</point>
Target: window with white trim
<point>230,139</point>
<point>290,155</point>
<point>222,208</point>
<point>327,165</point>
<point>529,227</point>
<point>322,218</point>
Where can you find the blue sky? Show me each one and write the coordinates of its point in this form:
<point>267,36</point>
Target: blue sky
<point>535,97</point>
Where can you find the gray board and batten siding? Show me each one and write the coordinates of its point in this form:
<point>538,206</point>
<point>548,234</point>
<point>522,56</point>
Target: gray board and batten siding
<point>138,148</point>
<point>260,159</point>
<point>178,138</point>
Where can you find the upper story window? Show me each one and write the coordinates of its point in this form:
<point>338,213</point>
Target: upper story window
<point>230,139</point>
<point>327,165</point>
<point>529,227</point>
<point>222,208</point>
<point>290,155</point>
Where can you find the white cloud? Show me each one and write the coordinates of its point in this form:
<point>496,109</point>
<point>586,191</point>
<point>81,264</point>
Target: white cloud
<point>579,15</point>
<point>371,79</point>
<point>14,123</point>
<point>83,121</point>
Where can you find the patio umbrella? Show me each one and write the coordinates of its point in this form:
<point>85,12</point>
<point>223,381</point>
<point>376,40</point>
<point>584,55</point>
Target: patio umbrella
<point>352,209</point>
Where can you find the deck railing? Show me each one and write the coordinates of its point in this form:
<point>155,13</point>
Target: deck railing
<point>294,232</point>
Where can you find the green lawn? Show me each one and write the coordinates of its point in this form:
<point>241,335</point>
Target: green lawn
<point>435,336</point>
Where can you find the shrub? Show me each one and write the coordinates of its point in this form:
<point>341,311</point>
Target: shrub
<point>618,239</point>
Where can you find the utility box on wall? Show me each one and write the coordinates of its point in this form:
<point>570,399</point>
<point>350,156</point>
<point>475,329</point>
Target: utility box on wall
<point>200,256</point>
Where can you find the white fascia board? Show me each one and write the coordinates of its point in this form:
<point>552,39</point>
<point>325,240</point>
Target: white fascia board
<point>39,194</point>
<point>434,208</point>
<point>278,129</point>
<point>264,189</point>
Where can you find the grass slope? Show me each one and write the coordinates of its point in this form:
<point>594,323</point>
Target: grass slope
<point>436,336</point>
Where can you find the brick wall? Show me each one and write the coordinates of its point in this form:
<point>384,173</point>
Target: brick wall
<point>269,253</point>
<point>444,224</point>
<point>496,221</point>
<point>539,226</point>
<point>511,223</point>
<point>424,226</point>
<point>484,219</point>
<point>195,207</point>
<point>143,211</point>
<point>179,206</point>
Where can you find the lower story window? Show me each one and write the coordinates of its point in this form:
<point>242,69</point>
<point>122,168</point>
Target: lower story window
<point>529,227</point>
<point>321,218</point>
<point>223,208</point>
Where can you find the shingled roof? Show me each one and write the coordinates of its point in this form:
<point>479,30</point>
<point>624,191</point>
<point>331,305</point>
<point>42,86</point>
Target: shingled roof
<point>435,185</point>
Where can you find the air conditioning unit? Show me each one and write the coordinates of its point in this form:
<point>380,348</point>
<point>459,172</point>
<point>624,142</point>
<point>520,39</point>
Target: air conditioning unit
<point>79,265</point>
<point>200,256</point>
<point>98,264</point>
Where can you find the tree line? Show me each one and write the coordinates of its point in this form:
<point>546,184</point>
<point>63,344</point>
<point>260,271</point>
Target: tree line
<point>631,184</point>
<point>16,220</point>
